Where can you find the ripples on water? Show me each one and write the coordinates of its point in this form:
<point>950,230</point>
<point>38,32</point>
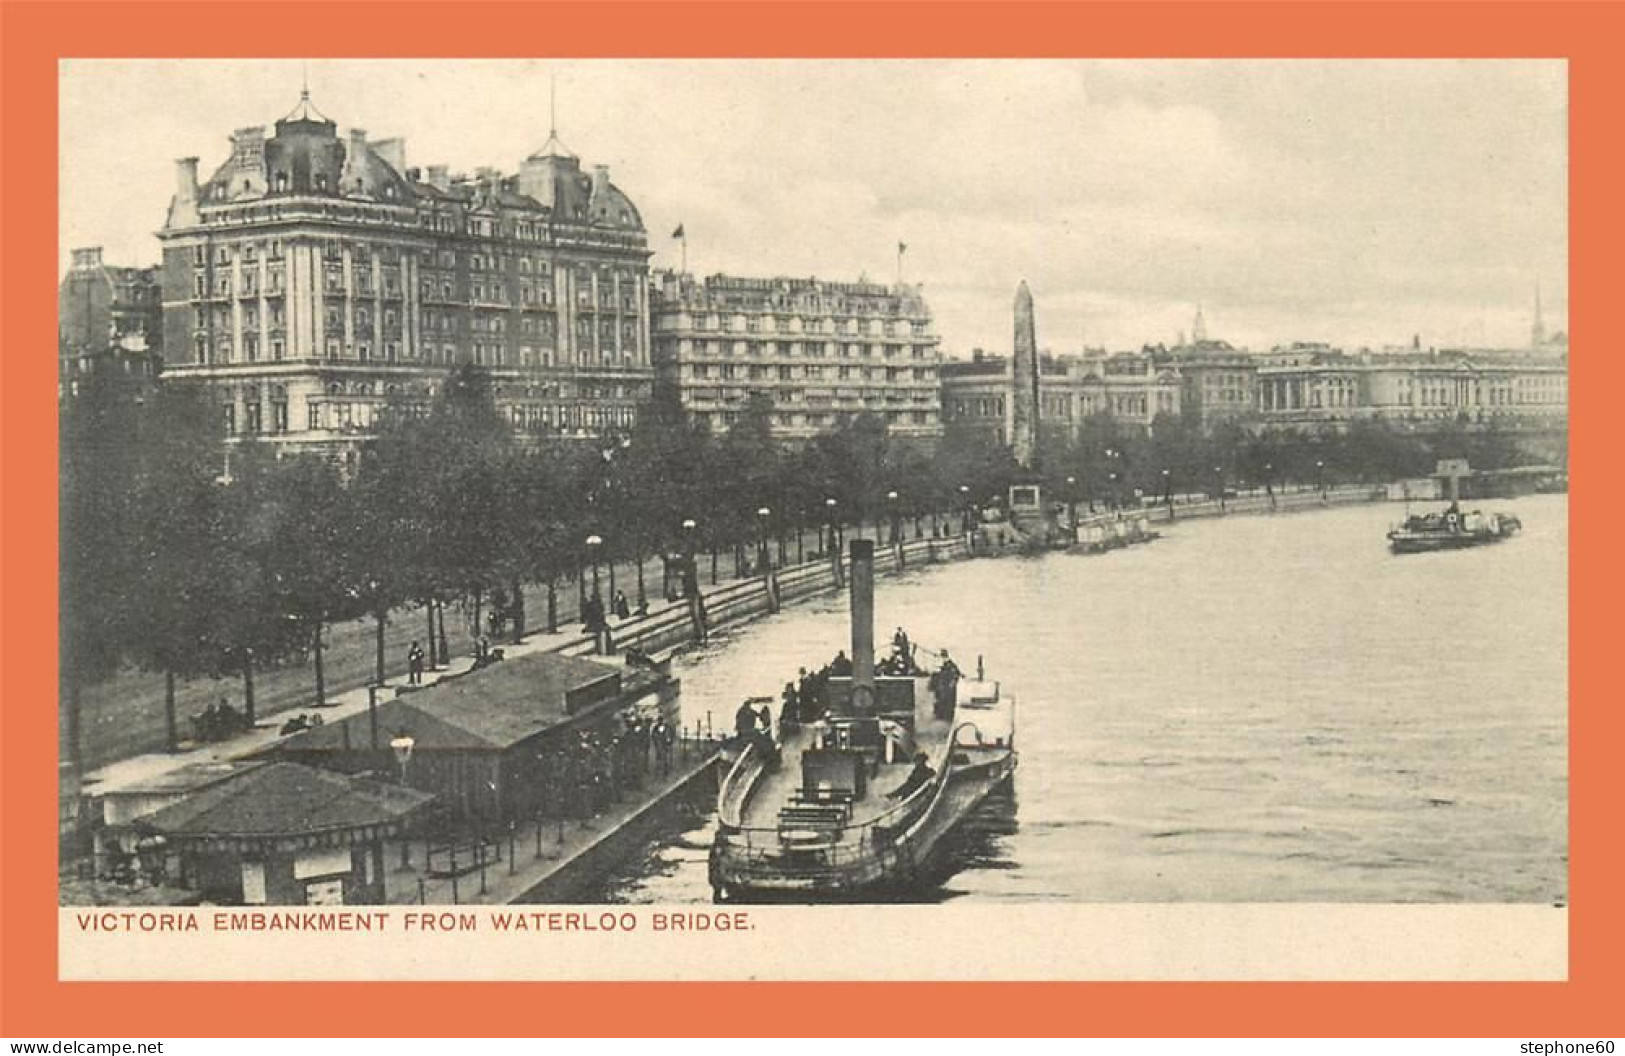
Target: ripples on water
<point>1252,709</point>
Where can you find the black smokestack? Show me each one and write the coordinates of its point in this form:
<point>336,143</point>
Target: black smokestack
<point>863,623</point>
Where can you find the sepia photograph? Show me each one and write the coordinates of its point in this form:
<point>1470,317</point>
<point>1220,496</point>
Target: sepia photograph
<point>858,497</point>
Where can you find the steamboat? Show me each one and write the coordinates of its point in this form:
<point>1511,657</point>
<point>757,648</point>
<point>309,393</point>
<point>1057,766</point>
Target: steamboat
<point>873,769</point>
<point>1451,529</point>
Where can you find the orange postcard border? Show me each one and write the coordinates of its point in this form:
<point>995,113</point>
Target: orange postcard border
<point>36,35</point>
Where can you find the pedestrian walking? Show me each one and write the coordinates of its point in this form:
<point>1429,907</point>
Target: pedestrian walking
<point>414,664</point>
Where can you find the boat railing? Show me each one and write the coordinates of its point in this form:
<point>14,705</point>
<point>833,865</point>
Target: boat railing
<point>854,843</point>
<point>736,788</point>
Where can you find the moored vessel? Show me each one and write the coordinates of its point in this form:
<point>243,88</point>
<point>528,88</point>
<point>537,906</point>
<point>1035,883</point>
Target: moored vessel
<point>874,768</point>
<point>1451,529</point>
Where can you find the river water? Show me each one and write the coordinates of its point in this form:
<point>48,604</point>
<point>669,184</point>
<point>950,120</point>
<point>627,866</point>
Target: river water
<point>1250,709</point>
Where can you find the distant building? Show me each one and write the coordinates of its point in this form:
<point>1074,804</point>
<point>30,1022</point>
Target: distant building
<point>314,279</point>
<point>1318,386</point>
<point>1025,398</point>
<point>978,395</point>
<point>1217,380</point>
<point>821,351</point>
<point>108,318</point>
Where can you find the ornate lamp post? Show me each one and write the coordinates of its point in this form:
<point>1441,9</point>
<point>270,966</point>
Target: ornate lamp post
<point>1072,502</point>
<point>891,516</point>
<point>1218,476</point>
<point>964,512</point>
<point>1269,482</point>
<point>762,514</point>
<point>1320,477</point>
<point>1168,492</point>
<point>834,528</point>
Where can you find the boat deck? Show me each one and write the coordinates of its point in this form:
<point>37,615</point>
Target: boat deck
<point>774,788</point>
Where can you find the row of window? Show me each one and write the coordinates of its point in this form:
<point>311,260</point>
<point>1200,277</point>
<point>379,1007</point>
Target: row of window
<point>785,372</point>
<point>812,349</point>
<point>723,419</point>
<point>390,256</point>
<point>333,319</point>
<point>752,324</point>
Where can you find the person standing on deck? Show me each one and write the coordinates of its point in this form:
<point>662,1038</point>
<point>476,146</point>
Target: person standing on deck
<point>745,721</point>
<point>917,778</point>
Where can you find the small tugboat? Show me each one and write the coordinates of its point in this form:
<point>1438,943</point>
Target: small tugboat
<point>1451,529</point>
<point>872,771</point>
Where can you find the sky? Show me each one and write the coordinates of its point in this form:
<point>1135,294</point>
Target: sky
<point>1357,202</point>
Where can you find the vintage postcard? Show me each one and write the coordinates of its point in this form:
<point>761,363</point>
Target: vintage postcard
<point>813,519</point>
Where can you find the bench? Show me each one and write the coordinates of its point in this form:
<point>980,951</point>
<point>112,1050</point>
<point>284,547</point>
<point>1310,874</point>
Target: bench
<point>812,817</point>
<point>820,796</point>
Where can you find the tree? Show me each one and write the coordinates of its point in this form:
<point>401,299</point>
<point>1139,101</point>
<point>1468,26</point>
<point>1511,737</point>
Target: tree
<point>189,568</point>
<point>98,464</point>
<point>301,511</point>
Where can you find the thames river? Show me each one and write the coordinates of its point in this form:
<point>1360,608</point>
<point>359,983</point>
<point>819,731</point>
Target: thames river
<point>1250,709</point>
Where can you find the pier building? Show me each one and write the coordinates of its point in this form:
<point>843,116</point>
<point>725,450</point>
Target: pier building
<point>486,744</point>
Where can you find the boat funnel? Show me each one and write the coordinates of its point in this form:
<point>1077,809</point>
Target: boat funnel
<point>863,624</point>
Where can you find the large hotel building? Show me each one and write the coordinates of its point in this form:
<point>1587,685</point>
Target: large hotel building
<point>821,351</point>
<point>314,279</point>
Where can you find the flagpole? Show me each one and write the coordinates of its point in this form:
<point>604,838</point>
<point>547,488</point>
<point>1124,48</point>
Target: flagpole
<point>685,254</point>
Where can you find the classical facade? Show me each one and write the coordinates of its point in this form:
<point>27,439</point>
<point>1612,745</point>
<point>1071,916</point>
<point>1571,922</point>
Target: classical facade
<point>821,351</point>
<point>978,395</point>
<point>1318,386</point>
<point>108,317</point>
<point>315,282</point>
<point>1217,381</point>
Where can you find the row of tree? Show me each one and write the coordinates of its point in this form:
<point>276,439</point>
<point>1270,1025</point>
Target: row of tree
<point>183,555</point>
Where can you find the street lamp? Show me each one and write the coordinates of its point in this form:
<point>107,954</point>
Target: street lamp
<point>1072,502</point>
<point>691,574</point>
<point>1218,476</point>
<point>891,514</point>
<point>1269,482</point>
<point>762,514</point>
<point>593,543</point>
<point>1320,478</point>
<point>402,745</point>
<point>834,528</point>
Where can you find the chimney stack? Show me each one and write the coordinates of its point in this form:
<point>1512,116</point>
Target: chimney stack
<point>863,624</point>
<point>393,153</point>
<point>439,177</point>
<point>183,210</point>
<point>186,179</point>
